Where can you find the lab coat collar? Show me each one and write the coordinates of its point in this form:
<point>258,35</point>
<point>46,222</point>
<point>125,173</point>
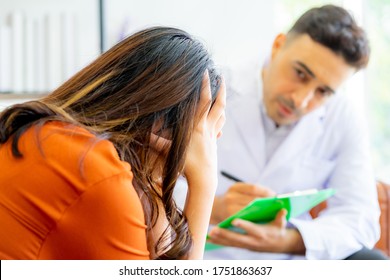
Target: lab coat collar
<point>247,119</point>
<point>307,129</point>
<point>249,123</point>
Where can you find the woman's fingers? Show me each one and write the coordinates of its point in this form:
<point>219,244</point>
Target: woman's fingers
<point>213,116</point>
<point>219,125</point>
<point>205,98</point>
<point>216,116</point>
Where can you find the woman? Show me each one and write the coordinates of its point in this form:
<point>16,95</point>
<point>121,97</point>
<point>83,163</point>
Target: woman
<point>88,172</point>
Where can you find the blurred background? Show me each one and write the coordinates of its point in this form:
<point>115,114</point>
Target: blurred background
<point>44,42</point>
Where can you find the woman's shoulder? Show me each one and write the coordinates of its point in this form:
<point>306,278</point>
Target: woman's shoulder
<point>71,181</point>
<point>74,149</point>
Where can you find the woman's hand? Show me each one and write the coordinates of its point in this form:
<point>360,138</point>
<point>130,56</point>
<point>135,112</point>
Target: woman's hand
<point>209,120</point>
<point>200,167</point>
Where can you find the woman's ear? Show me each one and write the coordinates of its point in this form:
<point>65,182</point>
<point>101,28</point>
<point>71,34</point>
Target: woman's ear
<point>278,43</point>
<point>160,144</point>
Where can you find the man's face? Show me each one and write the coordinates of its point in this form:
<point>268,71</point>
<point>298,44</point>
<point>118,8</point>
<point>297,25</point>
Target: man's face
<point>301,75</point>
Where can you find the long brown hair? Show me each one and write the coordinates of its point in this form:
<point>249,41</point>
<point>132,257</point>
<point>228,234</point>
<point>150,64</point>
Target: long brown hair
<point>153,76</point>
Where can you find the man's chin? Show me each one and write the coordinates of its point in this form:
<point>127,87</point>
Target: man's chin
<point>282,120</point>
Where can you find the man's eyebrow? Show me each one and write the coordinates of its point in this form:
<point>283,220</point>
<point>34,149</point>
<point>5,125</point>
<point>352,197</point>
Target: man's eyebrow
<point>307,69</point>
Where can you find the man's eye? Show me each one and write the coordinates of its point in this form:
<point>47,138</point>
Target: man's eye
<point>323,92</point>
<point>300,74</point>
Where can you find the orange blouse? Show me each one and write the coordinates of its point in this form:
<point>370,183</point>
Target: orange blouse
<point>69,197</point>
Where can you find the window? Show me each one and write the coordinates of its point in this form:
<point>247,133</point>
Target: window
<point>378,83</point>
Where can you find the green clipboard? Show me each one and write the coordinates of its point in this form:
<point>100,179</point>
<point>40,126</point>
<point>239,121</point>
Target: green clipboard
<point>264,210</point>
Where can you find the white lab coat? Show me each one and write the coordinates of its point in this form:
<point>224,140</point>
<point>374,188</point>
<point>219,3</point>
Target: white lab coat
<point>327,148</point>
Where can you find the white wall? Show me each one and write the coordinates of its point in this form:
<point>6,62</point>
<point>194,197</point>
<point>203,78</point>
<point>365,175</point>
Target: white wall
<point>234,31</point>
<point>4,103</point>
<point>87,17</point>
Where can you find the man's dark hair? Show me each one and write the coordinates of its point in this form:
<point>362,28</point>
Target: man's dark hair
<point>335,28</point>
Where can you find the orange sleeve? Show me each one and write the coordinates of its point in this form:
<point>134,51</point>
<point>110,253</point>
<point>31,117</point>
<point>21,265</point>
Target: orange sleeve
<point>106,222</point>
<point>69,197</point>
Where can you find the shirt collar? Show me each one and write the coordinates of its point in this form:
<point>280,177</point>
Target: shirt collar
<point>270,126</point>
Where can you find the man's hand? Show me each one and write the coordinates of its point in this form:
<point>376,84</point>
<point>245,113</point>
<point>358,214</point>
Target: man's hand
<point>272,237</point>
<point>236,198</point>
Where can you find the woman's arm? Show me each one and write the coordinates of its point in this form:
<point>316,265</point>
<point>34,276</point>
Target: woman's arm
<point>201,165</point>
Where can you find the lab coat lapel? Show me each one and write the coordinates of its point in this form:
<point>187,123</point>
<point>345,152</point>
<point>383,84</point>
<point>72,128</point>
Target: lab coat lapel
<point>248,122</point>
<point>306,130</point>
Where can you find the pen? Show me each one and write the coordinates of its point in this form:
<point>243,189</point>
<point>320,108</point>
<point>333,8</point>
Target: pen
<point>231,177</point>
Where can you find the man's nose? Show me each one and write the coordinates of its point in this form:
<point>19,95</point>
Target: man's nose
<point>301,98</point>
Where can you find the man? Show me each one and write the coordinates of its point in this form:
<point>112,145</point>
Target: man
<point>289,130</point>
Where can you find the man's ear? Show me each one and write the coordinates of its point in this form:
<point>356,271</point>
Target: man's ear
<point>278,43</point>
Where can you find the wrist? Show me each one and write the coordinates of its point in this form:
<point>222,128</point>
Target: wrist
<point>201,181</point>
<point>215,217</point>
<point>197,209</point>
<point>294,242</point>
